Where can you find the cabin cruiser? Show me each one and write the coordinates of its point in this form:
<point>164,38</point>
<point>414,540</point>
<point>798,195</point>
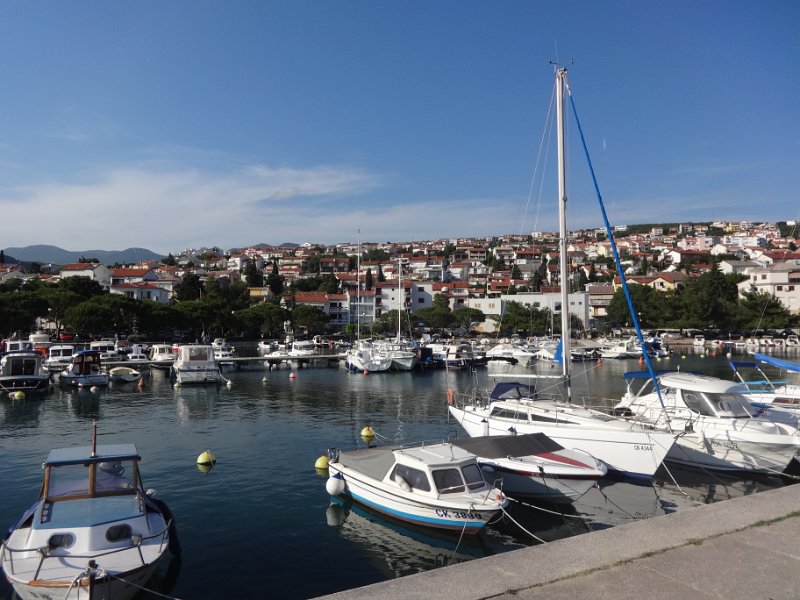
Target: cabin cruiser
<point>435,485</point>
<point>718,427</point>
<point>23,371</point>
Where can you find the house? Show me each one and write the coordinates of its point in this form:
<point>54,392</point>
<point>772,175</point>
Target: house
<point>94,271</point>
<point>781,281</point>
<point>141,290</point>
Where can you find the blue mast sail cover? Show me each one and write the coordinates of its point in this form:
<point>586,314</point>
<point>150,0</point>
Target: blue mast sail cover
<point>778,362</point>
<point>559,355</point>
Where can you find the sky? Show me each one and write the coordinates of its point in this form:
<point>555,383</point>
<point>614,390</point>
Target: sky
<point>196,123</point>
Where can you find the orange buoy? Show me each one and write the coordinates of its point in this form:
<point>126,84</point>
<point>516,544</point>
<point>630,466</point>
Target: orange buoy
<point>599,361</point>
<point>366,372</point>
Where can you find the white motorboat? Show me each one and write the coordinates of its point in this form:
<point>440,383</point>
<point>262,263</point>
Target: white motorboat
<point>534,466</point>
<point>93,532</point>
<point>23,371</point>
<point>124,375</point>
<point>765,392</point>
<point>85,370</point>
<point>196,364</point>
<point>434,485</point>
<point>59,356</point>
<point>718,427</point>
<point>162,356</point>
<point>517,408</point>
<point>511,353</point>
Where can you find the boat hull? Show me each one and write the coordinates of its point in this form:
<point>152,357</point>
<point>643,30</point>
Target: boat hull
<point>636,454</point>
<point>404,508</point>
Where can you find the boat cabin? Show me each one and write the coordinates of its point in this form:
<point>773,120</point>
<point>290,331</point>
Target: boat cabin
<point>78,473</point>
<point>20,363</point>
<point>85,362</point>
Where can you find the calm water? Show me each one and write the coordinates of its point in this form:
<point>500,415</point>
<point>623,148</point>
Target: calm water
<point>261,522</point>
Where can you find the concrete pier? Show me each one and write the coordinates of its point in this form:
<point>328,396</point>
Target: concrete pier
<point>744,548</point>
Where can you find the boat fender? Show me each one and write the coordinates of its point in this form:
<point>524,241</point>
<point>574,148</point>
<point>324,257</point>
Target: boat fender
<point>335,484</point>
<point>402,483</point>
<point>451,396</point>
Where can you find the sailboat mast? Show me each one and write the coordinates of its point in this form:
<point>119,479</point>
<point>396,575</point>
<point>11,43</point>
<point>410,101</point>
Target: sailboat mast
<point>566,357</point>
<point>400,294</point>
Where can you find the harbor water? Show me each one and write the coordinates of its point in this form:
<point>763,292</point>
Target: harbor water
<point>260,523</point>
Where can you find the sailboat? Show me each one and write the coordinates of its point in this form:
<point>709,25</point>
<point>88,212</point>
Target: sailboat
<point>364,357</point>
<point>400,350</point>
<point>519,408</point>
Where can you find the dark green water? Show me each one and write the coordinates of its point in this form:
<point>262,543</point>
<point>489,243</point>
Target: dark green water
<point>260,524</point>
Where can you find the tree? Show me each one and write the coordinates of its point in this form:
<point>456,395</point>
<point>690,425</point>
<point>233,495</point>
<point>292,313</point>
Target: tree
<point>310,318</point>
<point>515,272</point>
<point>381,276</point>
<point>306,284</point>
<point>368,280</point>
<point>761,310</point>
<point>169,260</point>
<point>312,264</point>
<point>468,317</point>
<point>253,275</point>
<point>84,286</point>
<point>191,288</point>
<point>263,319</point>
<point>710,300</point>
<point>438,315</point>
<point>275,282</point>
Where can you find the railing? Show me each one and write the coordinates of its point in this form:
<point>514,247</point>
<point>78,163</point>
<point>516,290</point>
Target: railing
<point>44,552</point>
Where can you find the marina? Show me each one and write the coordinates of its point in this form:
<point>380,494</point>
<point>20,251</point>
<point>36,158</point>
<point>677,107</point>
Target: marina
<point>263,502</point>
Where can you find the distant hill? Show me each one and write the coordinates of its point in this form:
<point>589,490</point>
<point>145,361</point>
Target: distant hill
<point>58,256</point>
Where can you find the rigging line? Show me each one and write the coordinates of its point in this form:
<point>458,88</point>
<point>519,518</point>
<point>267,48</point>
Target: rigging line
<point>547,135</point>
<point>148,590</point>
<point>547,510</point>
<point>617,260</point>
<point>538,539</point>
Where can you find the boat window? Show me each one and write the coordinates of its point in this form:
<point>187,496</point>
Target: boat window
<point>473,477</point>
<point>507,413</point>
<point>694,402</point>
<point>60,540</point>
<point>448,481</point>
<point>729,405</point>
<point>114,476</point>
<point>117,533</point>
<point>68,480</point>
<point>416,478</point>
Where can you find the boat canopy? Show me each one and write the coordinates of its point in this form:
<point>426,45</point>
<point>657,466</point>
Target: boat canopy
<point>778,362</point>
<point>83,454</point>
<point>513,390</point>
<point>503,446</point>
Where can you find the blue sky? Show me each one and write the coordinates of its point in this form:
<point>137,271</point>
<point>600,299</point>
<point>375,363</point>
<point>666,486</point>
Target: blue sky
<point>177,124</point>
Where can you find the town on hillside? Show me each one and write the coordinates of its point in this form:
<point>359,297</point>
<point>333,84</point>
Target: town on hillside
<point>361,282</point>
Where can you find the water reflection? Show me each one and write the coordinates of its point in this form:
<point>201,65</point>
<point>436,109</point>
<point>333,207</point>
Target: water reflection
<point>21,413</point>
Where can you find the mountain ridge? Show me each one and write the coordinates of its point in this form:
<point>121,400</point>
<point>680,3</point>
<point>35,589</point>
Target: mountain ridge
<point>43,253</point>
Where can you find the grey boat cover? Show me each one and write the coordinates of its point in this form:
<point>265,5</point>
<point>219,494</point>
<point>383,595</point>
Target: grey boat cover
<point>373,462</point>
<point>502,446</point>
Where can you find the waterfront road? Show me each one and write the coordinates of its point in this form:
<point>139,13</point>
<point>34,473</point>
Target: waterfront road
<point>744,548</point>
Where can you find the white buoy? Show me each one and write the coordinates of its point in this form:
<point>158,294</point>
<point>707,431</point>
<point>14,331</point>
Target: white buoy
<point>94,389</point>
<point>335,484</point>
<point>292,375</point>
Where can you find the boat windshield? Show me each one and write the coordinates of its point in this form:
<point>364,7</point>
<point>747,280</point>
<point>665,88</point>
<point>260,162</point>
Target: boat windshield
<point>473,477</point>
<point>74,480</point>
<point>727,405</point>
<point>448,481</point>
